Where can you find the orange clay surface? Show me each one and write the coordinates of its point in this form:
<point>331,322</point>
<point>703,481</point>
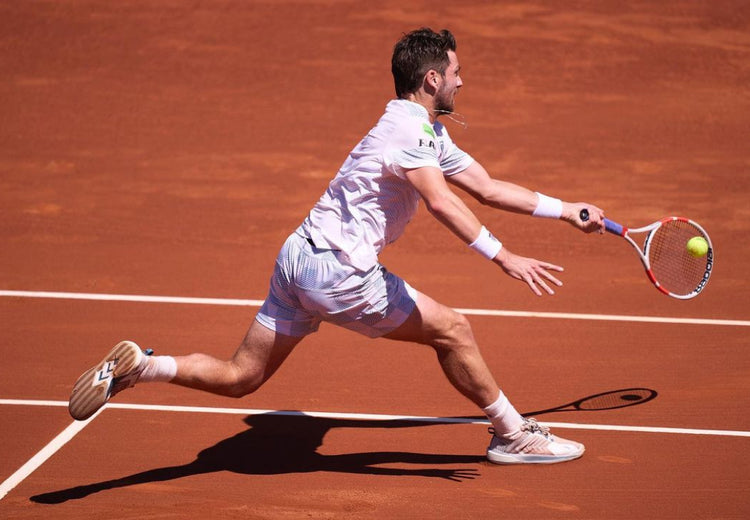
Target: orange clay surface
<point>168,148</point>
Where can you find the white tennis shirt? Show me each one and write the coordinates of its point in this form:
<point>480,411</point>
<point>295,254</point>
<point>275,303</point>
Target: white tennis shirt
<point>369,202</point>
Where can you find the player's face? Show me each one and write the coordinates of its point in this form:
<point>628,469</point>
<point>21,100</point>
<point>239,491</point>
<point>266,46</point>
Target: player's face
<point>448,88</point>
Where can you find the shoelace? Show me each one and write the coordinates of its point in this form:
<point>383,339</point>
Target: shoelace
<point>531,426</point>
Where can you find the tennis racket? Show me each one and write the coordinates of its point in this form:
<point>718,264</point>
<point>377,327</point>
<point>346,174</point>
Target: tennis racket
<point>669,265</point>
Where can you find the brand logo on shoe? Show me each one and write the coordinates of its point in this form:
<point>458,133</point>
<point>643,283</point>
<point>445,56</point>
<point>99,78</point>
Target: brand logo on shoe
<point>104,374</point>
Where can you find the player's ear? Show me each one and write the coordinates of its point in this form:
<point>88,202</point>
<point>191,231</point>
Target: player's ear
<point>432,80</point>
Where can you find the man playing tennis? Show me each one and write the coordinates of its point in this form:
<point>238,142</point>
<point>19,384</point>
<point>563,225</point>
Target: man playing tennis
<point>328,269</point>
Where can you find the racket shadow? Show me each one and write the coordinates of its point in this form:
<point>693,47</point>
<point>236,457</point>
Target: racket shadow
<point>611,400</point>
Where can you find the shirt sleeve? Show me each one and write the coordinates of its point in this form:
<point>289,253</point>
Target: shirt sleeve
<point>412,145</point>
<point>453,160</point>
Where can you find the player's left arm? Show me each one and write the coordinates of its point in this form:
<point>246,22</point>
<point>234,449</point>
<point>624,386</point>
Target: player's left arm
<point>450,210</point>
<point>511,197</point>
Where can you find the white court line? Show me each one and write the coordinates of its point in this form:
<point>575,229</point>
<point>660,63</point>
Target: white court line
<point>381,417</point>
<point>475,312</point>
<point>131,298</point>
<point>44,454</point>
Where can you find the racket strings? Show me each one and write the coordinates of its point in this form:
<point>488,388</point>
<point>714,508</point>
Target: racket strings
<point>672,265</point>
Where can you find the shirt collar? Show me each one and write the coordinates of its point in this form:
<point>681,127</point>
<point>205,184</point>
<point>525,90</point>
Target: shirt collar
<point>413,108</point>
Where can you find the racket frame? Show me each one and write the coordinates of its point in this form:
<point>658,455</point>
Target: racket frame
<point>624,232</point>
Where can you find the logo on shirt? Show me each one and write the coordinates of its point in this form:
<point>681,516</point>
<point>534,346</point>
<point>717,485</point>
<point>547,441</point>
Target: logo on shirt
<point>429,143</point>
<point>428,130</point>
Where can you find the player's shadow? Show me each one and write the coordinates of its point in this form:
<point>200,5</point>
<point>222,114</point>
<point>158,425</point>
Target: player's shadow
<point>287,443</point>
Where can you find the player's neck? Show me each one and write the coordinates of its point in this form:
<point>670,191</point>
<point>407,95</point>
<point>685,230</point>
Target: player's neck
<point>421,97</point>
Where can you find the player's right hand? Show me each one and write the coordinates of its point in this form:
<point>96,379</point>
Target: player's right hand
<point>572,214</point>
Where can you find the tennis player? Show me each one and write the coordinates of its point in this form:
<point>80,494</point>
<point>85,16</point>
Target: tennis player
<point>328,268</point>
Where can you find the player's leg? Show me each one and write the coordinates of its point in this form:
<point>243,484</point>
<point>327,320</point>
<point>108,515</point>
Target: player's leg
<point>515,440</point>
<point>279,326</point>
<point>378,303</point>
<point>258,357</point>
<point>450,334</point>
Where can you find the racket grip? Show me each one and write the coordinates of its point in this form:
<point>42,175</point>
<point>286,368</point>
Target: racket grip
<point>614,228</point>
<point>610,225</point>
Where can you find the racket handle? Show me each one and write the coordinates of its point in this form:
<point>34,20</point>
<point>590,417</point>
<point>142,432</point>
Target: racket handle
<point>610,225</point>
<point>614,228</point>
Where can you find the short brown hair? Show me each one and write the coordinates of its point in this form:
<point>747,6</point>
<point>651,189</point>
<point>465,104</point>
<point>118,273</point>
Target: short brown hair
<point>416,53</point>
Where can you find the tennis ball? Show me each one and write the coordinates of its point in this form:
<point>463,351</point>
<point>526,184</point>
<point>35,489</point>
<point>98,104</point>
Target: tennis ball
<point>697,247</point>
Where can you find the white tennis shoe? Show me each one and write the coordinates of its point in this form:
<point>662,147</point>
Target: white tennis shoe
<point>119,370</point>
<point>532,443</point>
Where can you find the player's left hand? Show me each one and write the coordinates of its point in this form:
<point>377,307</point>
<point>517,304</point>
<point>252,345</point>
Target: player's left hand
<point>572,214</point>
<point>535,273</point>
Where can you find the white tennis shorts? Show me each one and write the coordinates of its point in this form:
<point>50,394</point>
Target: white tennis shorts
<point>311,285</point>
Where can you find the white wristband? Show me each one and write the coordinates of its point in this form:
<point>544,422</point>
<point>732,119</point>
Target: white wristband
<point>486,245</point>
<point>548,207</point>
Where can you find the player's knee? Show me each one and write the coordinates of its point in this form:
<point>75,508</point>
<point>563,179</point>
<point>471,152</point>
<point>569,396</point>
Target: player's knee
<point>457,332</point>
<point>241,389</point>
<point>461,327</point>
<point>244,383</point>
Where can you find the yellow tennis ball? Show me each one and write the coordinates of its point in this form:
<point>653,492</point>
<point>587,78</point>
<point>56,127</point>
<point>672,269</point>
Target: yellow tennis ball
<point>697,247</point>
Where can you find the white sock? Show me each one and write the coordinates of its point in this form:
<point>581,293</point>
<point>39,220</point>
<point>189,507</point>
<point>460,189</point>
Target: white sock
<point>159,369</point>
<point>502,415</point>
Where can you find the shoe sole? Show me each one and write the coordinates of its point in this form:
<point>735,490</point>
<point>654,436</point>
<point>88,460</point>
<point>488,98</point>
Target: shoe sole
<point>522,458</point>
<point>92,390</point>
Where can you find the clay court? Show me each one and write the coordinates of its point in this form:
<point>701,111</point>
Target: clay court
<point>155,155</point>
